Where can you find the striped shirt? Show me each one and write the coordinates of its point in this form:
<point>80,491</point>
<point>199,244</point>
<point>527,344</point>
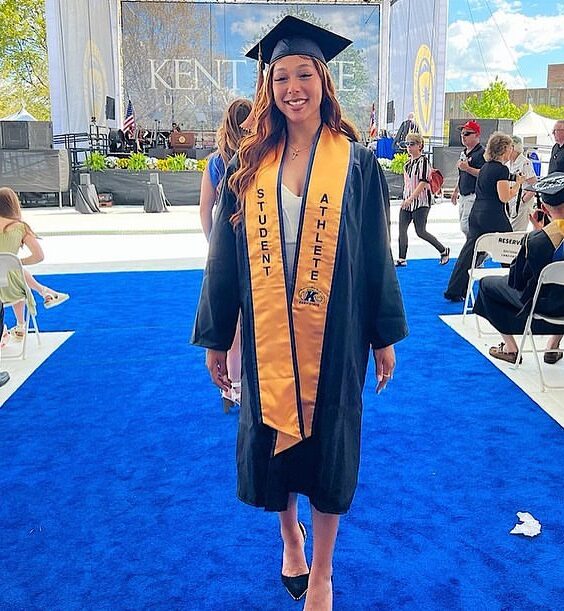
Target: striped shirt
<point>416,171</point>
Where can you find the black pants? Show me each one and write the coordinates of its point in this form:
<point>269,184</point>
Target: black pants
<point>419,218</point>
<point>501,305</point>
<point>480,222</point>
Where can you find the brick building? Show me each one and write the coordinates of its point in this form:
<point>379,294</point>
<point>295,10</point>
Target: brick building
<point>552,94</point>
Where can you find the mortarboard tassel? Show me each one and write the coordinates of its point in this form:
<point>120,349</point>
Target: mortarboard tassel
<point>250,122</point>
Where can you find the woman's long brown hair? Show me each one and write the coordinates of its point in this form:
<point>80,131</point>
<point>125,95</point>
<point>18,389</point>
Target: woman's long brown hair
<point>270,126</point>
<point>230,132</point>
<point>10,208</point>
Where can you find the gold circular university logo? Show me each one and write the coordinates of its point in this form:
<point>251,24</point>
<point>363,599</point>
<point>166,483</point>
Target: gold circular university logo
<point>423,89</point>
<point>312,296</point>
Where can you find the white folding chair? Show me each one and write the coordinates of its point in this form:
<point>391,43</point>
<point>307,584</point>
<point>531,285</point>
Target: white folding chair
<point>9,263</point>
<point>502,248</point>
<point>551,274</point>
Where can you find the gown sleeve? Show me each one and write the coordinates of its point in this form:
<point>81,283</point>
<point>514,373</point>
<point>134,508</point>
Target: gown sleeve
<point>218,308</point>
<point>385,312</point>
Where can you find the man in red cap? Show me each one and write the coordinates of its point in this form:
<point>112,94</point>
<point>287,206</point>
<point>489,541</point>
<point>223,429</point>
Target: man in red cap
<point>469,164</point>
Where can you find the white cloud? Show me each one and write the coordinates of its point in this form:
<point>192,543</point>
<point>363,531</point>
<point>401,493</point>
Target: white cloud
<point>503,39</point>
<point>248,28</point>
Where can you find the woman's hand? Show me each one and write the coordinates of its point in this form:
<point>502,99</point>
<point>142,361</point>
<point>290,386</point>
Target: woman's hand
<point>385,360</point>
<point>520,179</point>
<point>407,203</point>
<point>216,362</point>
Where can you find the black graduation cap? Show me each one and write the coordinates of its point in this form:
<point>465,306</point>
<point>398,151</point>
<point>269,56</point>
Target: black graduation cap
<point>550,188</point>
<point>293,36</point>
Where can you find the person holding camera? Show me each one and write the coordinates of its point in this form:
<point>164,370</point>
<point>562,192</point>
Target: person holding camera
<point>505,301</point>
<point>493,191</point>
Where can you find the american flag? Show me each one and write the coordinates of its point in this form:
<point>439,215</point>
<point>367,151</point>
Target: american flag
<point>129,121</point>
<point>373,132</point>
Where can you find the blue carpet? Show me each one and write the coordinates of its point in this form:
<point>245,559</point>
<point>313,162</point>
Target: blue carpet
<point>117,479</point>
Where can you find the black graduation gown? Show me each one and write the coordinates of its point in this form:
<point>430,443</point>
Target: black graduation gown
<point>505,301</point>
<point>365,311</point>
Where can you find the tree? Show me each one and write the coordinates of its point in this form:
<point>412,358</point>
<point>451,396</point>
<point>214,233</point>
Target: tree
<point>493,103</point>
<point>552,112</point>
<point>24,75</point>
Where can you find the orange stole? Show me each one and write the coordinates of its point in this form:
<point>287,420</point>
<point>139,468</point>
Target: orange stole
<point>285,407</point>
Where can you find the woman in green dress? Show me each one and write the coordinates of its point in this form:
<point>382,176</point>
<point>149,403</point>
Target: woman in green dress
<point>15,233</point>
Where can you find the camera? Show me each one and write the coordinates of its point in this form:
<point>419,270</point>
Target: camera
<point>513,177</point>
<point>538,213</point>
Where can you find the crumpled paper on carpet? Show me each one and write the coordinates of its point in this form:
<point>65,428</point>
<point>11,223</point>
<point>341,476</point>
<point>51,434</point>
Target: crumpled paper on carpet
<point>528,525</point>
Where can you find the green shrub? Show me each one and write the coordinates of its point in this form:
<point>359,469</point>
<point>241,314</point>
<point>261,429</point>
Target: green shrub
<point>162,165</point>
<point>95,162</point>
<point>398,163</point>
<point>137,161</point>
<point>176,163</point>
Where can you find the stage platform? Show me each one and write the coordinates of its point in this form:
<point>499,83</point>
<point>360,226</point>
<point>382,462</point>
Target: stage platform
<point>126,238</point>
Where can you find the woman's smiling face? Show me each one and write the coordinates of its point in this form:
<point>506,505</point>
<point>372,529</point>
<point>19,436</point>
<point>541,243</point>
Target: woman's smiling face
<point>297,89</point>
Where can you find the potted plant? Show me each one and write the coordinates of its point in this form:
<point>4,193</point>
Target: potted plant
<point>394,174</point>
<point>126,177</point>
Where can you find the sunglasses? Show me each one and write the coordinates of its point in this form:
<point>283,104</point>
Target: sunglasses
<point>412,143</point>
<point>468,133</point>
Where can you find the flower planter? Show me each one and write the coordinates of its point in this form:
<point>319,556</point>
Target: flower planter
<point>395,184</point>
<point>128,187</point>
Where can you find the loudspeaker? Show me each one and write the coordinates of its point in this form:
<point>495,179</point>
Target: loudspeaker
<point>110,108</point>
<point>445,159</point>
<point>26,135</point>
<point>15,135</point>
<point>487,128</point>
<point>40,135</point>
<point>390,112</point>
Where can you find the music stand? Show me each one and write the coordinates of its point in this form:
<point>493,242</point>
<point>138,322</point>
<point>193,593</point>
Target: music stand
<point>157,118</point>
<point>201,118</point>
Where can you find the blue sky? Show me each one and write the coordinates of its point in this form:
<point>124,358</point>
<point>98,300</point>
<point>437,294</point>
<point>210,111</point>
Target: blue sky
<point>513,39</point>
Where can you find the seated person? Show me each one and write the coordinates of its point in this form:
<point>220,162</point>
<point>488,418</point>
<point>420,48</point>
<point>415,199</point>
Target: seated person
<point>505,301</point>
<point>14,233</point>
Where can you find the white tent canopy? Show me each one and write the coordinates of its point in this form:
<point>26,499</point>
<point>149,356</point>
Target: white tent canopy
<point>534,129</point>
<point>21,115</point>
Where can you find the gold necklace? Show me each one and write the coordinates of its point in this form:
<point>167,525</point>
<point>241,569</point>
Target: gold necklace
<point>296,152</point>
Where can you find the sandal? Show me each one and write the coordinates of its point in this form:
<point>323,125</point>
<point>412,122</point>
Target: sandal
<point>17,333</point>
<point>401,263</point>
<point>551,357</point>
<point>497,352</point>
<point>52,299</point>
<point>445,256</point>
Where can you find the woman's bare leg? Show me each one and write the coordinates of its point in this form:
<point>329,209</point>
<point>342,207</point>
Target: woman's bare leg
<point>36,286</point>
<point>554,342</point>
<point>19,312</point>
<point>319,596</point>
<point>293,560</point>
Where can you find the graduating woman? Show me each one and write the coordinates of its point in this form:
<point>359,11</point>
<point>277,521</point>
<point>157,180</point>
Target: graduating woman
<point>300,246</point>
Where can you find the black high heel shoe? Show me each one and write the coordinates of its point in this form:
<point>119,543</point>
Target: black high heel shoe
<point>297,586</point>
